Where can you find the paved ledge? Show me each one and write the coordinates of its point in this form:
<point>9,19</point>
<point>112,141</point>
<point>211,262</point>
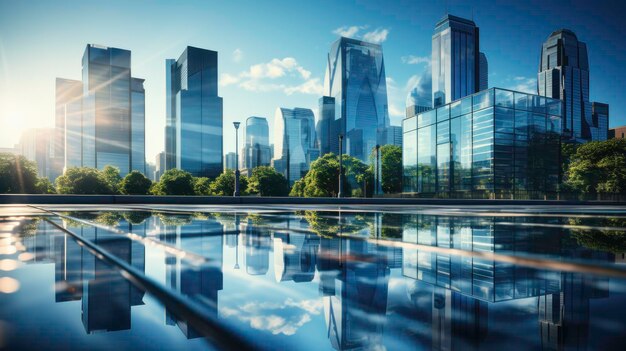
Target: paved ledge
<point>251,200</point>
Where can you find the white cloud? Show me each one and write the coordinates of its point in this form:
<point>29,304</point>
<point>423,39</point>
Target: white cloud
<point>376,36</point>
<point>525,84</point>
<point>415,60</point>
<point>348,31</point>
<point>275,75</point>
<point>237,55</point>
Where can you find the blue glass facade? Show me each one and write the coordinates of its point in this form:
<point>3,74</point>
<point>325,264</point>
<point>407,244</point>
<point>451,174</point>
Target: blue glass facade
<point>256,151</point>
<point>455,60</point>
<point>138,126</point>
<point>193,131</point>
<point>294,142</point>
<point>355,78</point>
<point>494,144</point>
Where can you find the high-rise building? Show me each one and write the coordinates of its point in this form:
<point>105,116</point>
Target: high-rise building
<point>230,161</point>
<point>455,59</point>
<point>325,129</point>
<point>193,137</point>
<point>159,166</point>
<point>599,121</point>
<point>38,145</point>
<point>493,144</point>
<point>68,124</point>
<point>294,142</point>
<point>256,151</point>
<point>391,135</point>
<point>564,74</point>
<point>95,127</point>
<point>483,68</point>
<point>138,126</point>
<point>355,78</point>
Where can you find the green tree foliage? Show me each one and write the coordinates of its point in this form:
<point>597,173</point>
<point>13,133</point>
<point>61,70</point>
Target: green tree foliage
<point>298,188</point>
<point>322,179</point>
<point>135,183</point>
<point>202,186</point>
<point>224,184</point>
<point>45,186</point>
<point>136,217</point>
<point>113,177</point>
<point>599,167</point>
<point>611,240</point>
<point>390,167</point>
<point>265,181</point>
<point>568,150</point>
<point>17,175</point>
<point>174,182</point>
<point>83,180</point>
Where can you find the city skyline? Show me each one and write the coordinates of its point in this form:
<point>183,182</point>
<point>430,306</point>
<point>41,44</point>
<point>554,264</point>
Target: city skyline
<point>268,74</point>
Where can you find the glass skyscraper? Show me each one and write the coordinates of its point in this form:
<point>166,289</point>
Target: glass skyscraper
<point>138,126</point>
<point>483,66</point>
<point>294,142</point>
<point>600,118</point>
<point>193,132</point>
<point>326,128</point>
<point>355,78</point>
<point>455,60</point>
<point>564,74</point>
<point>95,127</point>
<point>494,144</point>
<point>256,152</point>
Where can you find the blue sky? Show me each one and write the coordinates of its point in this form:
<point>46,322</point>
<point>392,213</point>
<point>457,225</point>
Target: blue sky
<point>273,53</point>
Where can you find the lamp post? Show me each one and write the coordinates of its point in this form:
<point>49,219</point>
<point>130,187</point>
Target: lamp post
<point>236,124</point>
<point>377,183</point>
<point>340,194</point>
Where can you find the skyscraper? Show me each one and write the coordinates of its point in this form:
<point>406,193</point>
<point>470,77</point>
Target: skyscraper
<point>256,151</point>
<point>325,129</point>
<point>193,137</point>
<point>94,118</point>
<point>68,123</point>
<point>38,145</point>
<point>355,78</point>
<point>230,161</point>
<point>564,74</point>
<point>138,126</point>
<point>455,59</point>
<point>483,67</point>
<point>600,121</point>
<point>294,142</point>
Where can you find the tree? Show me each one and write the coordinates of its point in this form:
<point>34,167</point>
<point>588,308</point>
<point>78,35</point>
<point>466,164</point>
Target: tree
<point>390,168</point>
<point>322,179</point>
<point>135,183</point>
<point>202,186</point>
<point>44,186</point>
<point>83,180</point>
<point>174,182</point>
<point>17,175</point>
<point>113,177</point>
<point>265,181</point>
<point>599,167</point>
<point>298,188</point>
<point>224,184</point>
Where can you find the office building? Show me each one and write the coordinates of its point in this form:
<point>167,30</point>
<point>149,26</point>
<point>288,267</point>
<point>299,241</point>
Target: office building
<point>138,125</point>
<point>564,74</point>
<point>493,144</point>
<point>230,161</point>
<point>294,142</point>
<point>326,128</point>
<point>68,124</point>
<point>599,121</point>
<point>159,166</point>
<point>455,60</point>
<point>256,151</point>
<point>617,132</point>
<point>419,99</point>
<point>355,78</point>
<point>483,68</point>
<point>193,136</point>
<point>391,135</point>
<point>37,145</point>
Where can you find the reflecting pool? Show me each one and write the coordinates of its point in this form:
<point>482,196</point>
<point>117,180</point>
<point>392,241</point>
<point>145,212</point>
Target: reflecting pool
<point>275,278</point>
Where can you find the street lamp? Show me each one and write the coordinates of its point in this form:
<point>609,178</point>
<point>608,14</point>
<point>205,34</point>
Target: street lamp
<point>236,124</point>
<point>340,194</point>
<point>377,183</point>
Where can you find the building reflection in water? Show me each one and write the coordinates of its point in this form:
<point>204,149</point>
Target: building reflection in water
<point>448,297</point>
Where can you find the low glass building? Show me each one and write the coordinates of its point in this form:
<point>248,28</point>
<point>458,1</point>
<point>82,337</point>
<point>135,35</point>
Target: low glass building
<point>493,144</point>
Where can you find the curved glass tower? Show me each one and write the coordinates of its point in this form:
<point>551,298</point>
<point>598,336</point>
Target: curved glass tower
<point>256,151</point>
<point>355,78</point>
<point>294,142</point>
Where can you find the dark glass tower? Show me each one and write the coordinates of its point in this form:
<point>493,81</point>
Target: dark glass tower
<point>138,126</point>
<point>256,152</point>
<point>564,74</point>
<point>193,132</point>
<point>355,78</point>
<point>455,60</point>
<point>484,72</point>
